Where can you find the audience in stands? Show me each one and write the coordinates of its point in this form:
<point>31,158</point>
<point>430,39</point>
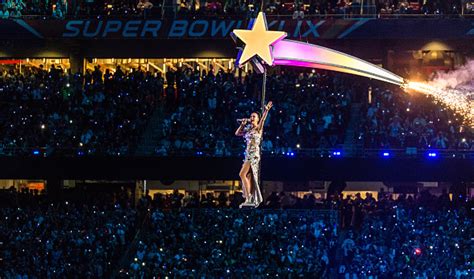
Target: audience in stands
<point>408,237</point>
<point>226,243</point>
<point>146,8</point>
<point>394,119</point>
<point>53,112</point>
<point>62,239</point>
<point>311,110</point>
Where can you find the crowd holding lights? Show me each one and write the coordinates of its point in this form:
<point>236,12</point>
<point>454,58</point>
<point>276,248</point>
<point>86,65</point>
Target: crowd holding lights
<point>198,111</point>
<point>52,112</point>
<point>312,110</point>
<point>393,238</point>
<point>423,236</point>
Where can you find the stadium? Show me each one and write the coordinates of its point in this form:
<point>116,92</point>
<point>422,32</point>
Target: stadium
<point>227,139</point>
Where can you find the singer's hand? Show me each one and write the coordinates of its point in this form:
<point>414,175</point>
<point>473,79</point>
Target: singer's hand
<point>244,121</point>
<point>269,105</point>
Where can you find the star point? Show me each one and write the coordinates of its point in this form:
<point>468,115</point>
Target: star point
<point>258,41</point>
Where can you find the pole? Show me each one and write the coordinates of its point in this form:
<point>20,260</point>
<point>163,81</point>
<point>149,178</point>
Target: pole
<point>264,89</point>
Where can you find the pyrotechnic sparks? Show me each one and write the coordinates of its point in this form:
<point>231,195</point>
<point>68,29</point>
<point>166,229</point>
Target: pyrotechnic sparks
<point>458,100</point>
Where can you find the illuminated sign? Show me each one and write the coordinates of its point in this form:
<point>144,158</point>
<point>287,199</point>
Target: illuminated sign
<point>308,29</point>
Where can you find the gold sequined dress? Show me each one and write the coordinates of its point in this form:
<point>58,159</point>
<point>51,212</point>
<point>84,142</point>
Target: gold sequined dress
<point>252,155</point>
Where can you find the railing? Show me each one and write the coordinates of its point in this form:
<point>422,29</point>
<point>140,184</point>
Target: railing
<point>412,152</point>
<point>333,152</point>
<point>269,16</point>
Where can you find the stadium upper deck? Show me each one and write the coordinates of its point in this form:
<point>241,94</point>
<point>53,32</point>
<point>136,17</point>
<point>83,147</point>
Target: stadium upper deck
<point>228,8</point>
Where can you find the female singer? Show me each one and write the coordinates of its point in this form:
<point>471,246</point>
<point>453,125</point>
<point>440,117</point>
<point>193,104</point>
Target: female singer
<point>252,131</point>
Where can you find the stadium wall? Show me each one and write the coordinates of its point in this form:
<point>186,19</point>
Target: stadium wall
<point>214,168</point>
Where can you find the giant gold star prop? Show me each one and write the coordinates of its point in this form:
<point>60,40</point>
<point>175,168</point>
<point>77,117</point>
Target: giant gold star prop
<point>258,41</point>
<point>270,47</point>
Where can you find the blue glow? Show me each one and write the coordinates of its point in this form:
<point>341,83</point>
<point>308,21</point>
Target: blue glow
<point>336,153</point>
<point>36,152</point>
<point>386,154</point>
<point>432,154</point>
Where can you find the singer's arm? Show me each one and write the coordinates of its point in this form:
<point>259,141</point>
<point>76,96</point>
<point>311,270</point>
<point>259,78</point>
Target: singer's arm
<point>240,130</point>
<point>264,116</point>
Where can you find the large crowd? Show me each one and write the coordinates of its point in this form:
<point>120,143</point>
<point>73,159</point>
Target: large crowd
<point>395,119</point>
<point>61,239</point>
<point>311,110</point>
<point>50,111</point>
<point>420,236</point>
<point>186,8</point>
<point>228,243</point>
<point>412,236</point>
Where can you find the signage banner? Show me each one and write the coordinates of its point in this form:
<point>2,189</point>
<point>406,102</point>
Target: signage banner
<point>309,29</point>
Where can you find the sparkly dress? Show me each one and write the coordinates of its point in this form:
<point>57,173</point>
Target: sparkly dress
<point>252,155</point>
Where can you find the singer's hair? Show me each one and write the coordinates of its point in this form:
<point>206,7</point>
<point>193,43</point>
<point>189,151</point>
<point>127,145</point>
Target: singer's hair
<point>258,113</point>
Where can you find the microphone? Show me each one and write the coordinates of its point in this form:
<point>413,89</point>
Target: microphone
<point>243,119</point>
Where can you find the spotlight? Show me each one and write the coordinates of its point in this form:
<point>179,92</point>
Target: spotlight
<point>36,152</point>
<point>336,153</point>
<point>386,154</point>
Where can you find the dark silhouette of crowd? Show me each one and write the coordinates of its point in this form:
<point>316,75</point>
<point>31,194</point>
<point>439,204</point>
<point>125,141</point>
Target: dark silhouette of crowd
<point>395,119</point>
<point>162,9</point>
<point>51,112</point>
<point>311,110</point>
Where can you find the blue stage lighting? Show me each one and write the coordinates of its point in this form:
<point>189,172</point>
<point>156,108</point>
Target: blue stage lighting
<point>433,154</point>
<point>386,154</point>
<point>36,152</point>
<point>336,153</point>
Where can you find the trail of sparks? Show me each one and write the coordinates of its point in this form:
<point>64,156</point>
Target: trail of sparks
<point>458,100</point>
